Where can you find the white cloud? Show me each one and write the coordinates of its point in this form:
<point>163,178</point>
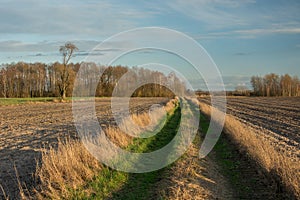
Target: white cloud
<point>248,33</point>
<point>243,19</point>
<point>213,13</point>
<point>268,31</point>
<point>99,19</point>
<point>44,46</point>
<point>74,19</point>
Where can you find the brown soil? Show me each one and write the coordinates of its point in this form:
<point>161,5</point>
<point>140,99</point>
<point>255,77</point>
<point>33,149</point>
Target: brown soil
<point>277,119</point>
<point>25,130</point>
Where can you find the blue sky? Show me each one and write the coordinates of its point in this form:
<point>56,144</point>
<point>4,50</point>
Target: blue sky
<point>243,37</point>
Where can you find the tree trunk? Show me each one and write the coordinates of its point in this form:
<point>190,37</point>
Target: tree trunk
<point>64,94</point>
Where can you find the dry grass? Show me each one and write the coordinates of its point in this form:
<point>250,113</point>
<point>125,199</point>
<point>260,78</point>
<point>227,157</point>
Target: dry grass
<point>70,165</point>
<point>261,150</point>
<point>22,192</point>
<point>191,177</point>
<point>4,193</point>
<point>22,188</point>
<point>136,124</point>
<point>118,137</point>
<point>189,183</point>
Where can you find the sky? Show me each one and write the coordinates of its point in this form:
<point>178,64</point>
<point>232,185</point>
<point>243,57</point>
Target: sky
<point>243,37</point>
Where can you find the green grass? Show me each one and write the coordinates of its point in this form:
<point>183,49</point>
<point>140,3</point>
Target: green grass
<point>114,184</point>
<point>16,101</point>
<point>102,185</point>
<point>226,157</point>
<point>144,145</point>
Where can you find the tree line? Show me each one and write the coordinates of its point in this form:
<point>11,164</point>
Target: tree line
<point>276,85</point>
<point>23,80</point>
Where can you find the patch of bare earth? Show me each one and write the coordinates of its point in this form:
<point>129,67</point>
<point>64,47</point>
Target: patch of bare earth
<point>25,130</point>
<point>194,178</point>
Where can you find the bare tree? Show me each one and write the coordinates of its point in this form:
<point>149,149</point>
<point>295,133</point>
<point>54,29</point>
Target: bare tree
<point>3,82</point>
<point>286,84</point>
<point>274,85</point>
<point>295,86</point>
<point>67,52</point>
<point>257,85</point>
<point>271,82</point>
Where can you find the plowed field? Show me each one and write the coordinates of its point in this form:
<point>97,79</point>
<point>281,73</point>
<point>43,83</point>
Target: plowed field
<point>26,129</point>
<point>278,119</point>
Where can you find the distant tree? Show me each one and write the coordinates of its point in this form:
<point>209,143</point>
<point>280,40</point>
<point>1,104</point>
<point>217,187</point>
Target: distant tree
<point>257,84</point>
<point>65,71</point>
<point>274,85</point>
<point>241,90</point>
<point>295,86</point>
<point>3,82</point>
<point>286,84</point>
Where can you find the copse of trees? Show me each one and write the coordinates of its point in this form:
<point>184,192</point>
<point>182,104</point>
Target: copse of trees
<point>57,80</point>
<point>23,80</point>
<point>276,85</point>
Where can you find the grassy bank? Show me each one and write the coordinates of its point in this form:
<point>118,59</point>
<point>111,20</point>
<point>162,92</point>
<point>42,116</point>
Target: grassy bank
<point>114,184</point>
<point>71,172</point>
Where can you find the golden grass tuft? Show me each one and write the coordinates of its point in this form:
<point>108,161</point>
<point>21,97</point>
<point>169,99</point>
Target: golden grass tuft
<point>279,165</point>
<point>67,167</point>
<point>136,124</point>
<point>119,138</point>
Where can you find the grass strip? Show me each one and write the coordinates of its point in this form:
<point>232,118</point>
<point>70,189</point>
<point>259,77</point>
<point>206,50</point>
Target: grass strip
<point>17,101</point>
<point>225,157</point>
<point>112,184</point>
<point>247,179</point>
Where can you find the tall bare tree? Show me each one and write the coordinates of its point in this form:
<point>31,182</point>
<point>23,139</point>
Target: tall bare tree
<point>3,82</point>
<point>286,84</point>
<point>67,52</point>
